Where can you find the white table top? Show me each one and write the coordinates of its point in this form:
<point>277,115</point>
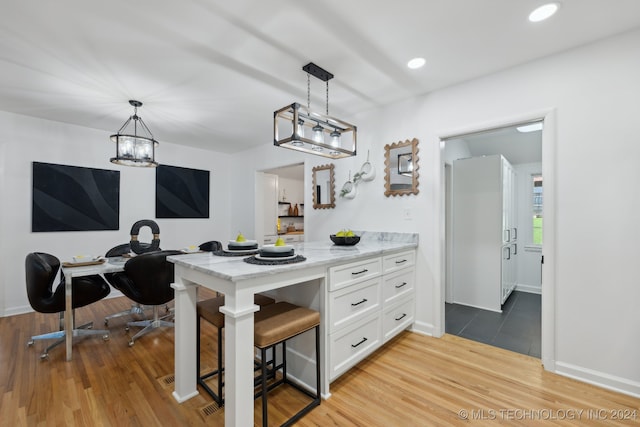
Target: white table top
<point>316,253</point>
<point>112,265</point>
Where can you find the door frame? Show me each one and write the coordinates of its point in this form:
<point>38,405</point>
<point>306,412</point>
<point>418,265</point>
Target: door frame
<point>549,153</point>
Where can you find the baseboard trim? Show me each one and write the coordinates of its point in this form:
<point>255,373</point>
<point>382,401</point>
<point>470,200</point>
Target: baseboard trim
<point>423,328</point>
<point>13,311</point>
<point>529,289</point>
<point>600,379</point>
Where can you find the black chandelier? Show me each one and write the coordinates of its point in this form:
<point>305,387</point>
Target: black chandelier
<point>299,128</point>
<point>133,149</point>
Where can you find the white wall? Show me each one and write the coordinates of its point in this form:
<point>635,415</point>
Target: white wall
<point>24,140</point>
<point>294,189</point>
<point>594,93</point>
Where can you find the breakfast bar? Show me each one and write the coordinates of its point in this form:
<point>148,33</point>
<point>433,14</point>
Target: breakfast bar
<point>360,271</point>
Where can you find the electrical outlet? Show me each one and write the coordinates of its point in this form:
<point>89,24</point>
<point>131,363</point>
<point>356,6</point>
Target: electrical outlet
<point>407,214</point>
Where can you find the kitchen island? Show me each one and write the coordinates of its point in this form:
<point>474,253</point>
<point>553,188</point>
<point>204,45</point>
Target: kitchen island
<point>335,272</point>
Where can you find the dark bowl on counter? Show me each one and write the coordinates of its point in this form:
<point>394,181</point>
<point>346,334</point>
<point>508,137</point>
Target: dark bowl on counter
<point>344,240</point>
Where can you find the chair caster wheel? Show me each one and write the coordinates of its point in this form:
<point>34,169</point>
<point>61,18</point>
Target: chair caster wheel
<point>106,322</point>
<point>44,356</point>
<point>131,343</point>
<point>29,343</point>
<point>126,328</point>
<point>90,326</point>
<point>105,337</point>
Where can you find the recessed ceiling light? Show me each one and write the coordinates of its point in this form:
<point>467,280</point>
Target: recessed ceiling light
<point>543,12</point>
<point>416,63</point>
<point>530,127</point>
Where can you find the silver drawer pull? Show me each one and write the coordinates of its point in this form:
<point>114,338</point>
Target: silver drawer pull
<point>400,261</point>
<point>357,344</point>
<point>359,272</point>
<point>401,285</point>
<point>359,302</point>
<point>402,317</point>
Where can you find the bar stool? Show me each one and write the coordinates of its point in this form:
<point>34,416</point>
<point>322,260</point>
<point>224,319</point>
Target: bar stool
<point>276,324</point>
<point>209,310</point>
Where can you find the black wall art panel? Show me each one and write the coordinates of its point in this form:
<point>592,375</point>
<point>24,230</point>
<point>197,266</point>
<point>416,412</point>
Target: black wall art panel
<point>181,192</point>
<point>72,198</point>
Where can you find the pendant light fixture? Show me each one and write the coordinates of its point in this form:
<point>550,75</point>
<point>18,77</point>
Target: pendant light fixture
<point>133,149</point>
<point>299,128</point>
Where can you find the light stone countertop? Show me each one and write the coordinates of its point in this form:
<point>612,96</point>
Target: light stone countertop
<point>317,253</point>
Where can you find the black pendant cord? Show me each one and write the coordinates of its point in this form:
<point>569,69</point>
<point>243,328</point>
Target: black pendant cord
<point>308,92</point>
<point>327,98</point>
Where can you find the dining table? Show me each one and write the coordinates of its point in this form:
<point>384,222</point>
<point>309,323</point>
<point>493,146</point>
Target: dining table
<point>71,270</point>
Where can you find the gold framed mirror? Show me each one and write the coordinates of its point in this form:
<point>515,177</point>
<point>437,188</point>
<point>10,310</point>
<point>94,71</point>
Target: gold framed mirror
<point>401,168</point>
<point>324,187</point>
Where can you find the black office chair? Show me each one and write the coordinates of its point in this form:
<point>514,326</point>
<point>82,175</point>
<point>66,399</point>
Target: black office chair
<point>211,246</point>
<point>41,271</point>
<point>147,280</point>
<point>136,308</point>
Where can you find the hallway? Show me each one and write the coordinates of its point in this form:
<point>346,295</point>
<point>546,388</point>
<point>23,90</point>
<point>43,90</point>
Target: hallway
<point>517,328</point>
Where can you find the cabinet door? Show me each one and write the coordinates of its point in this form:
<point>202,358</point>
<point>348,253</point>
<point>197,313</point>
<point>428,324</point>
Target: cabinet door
<point>354,272</point>
<point>399,261</point>
<point>397,318</point>
<point>351,345</point>
<point>270,203</point>
<point>290,238</point>
<point>398,285</point>
<point>270,239</point>
<point>351,303</point>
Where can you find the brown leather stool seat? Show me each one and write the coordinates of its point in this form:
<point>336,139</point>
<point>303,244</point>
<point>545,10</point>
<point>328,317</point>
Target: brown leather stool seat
<point>209,310</point>
<point>275,324</point>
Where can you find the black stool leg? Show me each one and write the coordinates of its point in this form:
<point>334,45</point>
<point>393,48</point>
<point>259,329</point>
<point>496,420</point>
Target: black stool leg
<point>220,357</point>
<point>201,378</point>
<point>263,355</point>
<point>318,364</point>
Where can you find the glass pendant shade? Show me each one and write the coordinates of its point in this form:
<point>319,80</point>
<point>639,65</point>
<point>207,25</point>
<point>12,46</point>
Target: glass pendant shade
<point>299,131</point>
<point>318,135</point>
<point>133,149</point>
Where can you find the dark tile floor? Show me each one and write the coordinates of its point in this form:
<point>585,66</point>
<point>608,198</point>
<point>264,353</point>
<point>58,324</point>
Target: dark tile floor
<point>517,328</point>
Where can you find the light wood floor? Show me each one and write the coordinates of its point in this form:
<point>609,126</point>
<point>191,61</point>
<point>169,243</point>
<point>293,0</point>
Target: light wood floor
<point>414,381</point>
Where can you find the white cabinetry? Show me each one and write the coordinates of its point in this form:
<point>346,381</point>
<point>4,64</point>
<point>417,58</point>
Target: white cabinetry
<point>369,302</point>
<point>485,233</point>
<point>268,206</point>
<point>288,238</point>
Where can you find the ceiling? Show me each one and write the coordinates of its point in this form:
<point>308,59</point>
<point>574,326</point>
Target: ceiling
<point>517,147</point>
<point>210,74</point>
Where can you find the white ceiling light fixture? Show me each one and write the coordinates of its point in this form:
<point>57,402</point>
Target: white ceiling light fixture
<point>416,63</point>
<point>311,132</point>
<point>532,127</point>
<point>544,12</point>
<point>133,149</point>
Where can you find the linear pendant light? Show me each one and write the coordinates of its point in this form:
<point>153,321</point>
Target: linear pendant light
<point>299,128</point>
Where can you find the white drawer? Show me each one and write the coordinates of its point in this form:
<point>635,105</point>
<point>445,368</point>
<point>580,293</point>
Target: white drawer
<point>397,318</point>
<point>400,260</point>
<point>290,238</point>
<point>397,285</point>
<point>347,274</point>
<point>351,345</point>
<point>349,304</point>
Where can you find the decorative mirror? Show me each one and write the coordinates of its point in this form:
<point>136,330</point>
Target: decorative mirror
<point>324,187</point>
<point>401,168</point>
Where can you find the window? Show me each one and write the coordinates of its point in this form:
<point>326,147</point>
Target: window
<point>537,209</point>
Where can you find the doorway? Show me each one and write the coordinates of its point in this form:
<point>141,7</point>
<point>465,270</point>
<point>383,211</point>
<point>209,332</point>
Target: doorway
<point>280,192</point>
<point>487,298</point>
